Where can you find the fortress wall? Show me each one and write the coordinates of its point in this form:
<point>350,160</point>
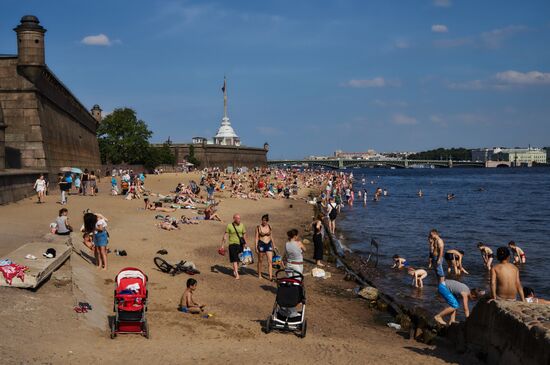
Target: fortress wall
<point>66,141</point>
<point>223,156</point>
<point>23,137</point>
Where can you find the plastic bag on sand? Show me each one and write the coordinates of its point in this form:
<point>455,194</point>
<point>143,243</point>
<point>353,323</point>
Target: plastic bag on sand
<point>318,273</point>
<point>395,326</point>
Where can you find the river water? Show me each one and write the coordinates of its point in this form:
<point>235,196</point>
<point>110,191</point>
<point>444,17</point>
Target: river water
<point>491,205</point>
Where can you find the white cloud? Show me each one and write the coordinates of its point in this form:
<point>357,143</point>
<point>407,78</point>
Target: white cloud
<point>96,40</point>
<point>494,38</point>
<point>375,82</point>
<point>467,85</point>
<point>524,78</point>
<point>436,119</point>
<point>439,28</point>
<point>402,119</point>
<point>442,3</point>
<point>401,44</point>
<point>504,81</point>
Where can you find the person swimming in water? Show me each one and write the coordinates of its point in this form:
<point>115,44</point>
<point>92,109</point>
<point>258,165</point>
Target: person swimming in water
<point>418,275</point>
<point>420,193</point>
<point>399,262</point>
<point>517,253</point>
<point>450,196</point>
<point>454,261</point>
<point>486,254</point>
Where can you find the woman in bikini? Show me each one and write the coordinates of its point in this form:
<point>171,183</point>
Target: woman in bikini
<point>265,245</point>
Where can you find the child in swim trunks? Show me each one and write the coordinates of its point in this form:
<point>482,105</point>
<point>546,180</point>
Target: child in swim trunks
<point>399,262</point>
<point>187,303</point>
<point>486,254</point>
<point>519,255</point>
<point>418,275</point>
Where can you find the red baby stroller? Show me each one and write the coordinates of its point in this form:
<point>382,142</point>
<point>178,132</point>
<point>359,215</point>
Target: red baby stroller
<point>130,303</point>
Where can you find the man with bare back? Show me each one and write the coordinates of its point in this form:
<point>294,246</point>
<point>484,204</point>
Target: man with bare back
<point>505,283</point>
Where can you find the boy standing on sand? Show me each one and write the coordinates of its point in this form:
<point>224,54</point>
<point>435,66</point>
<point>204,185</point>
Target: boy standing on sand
<point>187,302</point>
<point>438,249</point>
<point>505,283</point>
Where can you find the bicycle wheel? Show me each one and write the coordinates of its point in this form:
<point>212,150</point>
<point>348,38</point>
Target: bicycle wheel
<point>163,265</point>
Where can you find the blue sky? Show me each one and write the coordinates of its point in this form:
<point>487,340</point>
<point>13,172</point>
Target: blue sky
<point>309,76</point>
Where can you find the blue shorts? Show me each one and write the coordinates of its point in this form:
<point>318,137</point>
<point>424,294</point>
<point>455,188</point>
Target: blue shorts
<point>265,247</point>
<point>449,297</point>
<point>100,239</point>
<point>439,268</point>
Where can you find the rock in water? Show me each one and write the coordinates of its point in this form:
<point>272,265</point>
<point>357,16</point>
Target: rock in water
<point>368,293</point>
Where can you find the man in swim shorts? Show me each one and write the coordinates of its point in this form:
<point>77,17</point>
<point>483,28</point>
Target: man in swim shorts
<point>452,291</point>
<point>438,250</point>
<point>505,282</point>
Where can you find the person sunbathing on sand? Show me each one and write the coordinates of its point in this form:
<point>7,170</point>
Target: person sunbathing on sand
<point>160,208</point>
<point>185,220</point>
<point>187,303</point>
<point>166,225</point>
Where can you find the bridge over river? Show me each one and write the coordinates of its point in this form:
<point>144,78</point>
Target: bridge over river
<point>350,163</point>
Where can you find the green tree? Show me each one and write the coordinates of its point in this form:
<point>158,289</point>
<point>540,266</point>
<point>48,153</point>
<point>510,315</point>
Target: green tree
<point>123,138</point>
<point>192,158</point>
<point>166,155</point>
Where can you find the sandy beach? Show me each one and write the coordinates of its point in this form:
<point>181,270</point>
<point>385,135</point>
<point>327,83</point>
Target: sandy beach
<point>42,327</point>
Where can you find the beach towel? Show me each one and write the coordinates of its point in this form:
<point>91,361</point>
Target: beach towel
<point>13,271</point>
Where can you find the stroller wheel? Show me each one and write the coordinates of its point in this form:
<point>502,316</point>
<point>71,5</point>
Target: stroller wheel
<point>146,330</point>
<point>304,329</point>
<point>268,325</point>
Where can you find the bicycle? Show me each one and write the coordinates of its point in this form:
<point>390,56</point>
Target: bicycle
<point>179,268</point>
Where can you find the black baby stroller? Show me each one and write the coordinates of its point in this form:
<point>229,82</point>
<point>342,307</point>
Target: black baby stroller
<point>290,293</point>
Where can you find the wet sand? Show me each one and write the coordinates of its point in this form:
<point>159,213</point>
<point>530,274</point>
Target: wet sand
<point>41,326</point>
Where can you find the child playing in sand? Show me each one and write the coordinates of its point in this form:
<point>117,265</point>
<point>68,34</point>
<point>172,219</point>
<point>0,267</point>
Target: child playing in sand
<point>418,275</point>
<point>519,255</point>
<point>399,262</point>
<point>187,303</point>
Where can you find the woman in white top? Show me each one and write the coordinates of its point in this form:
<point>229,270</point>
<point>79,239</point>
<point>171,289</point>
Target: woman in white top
<point>40,187</point>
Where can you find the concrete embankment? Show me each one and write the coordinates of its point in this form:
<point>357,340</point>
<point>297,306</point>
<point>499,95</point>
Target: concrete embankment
<point>503,332</point>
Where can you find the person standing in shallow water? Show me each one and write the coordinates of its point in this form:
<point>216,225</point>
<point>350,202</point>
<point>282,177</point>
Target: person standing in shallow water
<point>317,228</point>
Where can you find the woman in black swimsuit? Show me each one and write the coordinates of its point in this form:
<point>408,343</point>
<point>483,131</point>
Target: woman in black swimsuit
<point>317,227</point>
<point>265,245</point>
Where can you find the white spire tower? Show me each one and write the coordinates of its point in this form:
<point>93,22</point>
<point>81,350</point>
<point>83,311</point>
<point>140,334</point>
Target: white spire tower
<point>226,135</point>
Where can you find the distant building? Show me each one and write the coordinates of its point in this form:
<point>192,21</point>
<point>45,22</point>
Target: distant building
<point>354,155</point>
<point>482,154</point>
<point>515,156</point>
<point>523,156</point>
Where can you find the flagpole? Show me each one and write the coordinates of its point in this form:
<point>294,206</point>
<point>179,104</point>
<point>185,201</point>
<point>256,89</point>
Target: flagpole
<point>224,97</point>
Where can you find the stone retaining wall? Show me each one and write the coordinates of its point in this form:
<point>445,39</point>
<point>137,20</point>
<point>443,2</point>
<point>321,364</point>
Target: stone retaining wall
<point>509,332</point>
<point>17,184</point>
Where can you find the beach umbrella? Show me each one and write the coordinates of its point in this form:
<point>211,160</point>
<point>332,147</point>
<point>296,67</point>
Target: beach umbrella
<point>65,169</point>
<point>76,170</point>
